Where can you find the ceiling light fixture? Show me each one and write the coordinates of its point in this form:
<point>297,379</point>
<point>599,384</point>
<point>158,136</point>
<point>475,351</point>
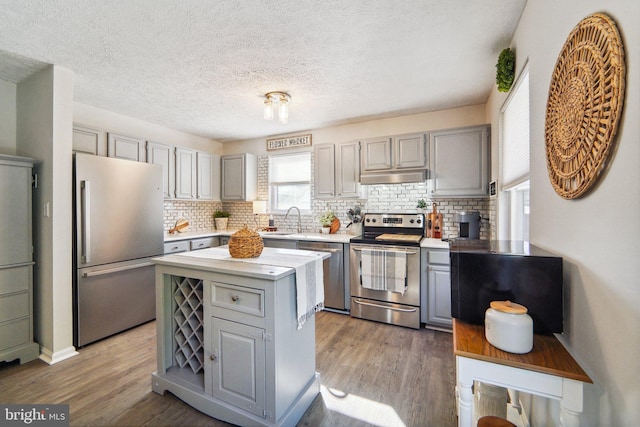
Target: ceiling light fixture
<point>282,99</point>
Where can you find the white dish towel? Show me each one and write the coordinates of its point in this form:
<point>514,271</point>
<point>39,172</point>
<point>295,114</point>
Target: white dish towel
<point>384,270</point>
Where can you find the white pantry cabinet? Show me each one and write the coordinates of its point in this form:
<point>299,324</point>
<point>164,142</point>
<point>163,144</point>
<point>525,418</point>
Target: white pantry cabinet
<point>239,177</point>
<point>459,162</point>
<point>16,260</point>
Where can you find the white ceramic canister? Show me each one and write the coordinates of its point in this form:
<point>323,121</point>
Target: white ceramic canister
<point>508,327</point>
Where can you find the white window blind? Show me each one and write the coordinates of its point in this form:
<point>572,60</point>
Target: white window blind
<point>290,181</point>
<point>514,161</point>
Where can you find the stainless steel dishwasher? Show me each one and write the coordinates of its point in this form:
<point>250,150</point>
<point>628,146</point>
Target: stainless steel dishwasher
<point>334,287</point>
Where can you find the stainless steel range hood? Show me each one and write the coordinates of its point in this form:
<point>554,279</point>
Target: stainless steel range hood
<point>393,177</point>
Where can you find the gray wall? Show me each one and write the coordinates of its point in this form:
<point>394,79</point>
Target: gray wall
<point>598,235</point>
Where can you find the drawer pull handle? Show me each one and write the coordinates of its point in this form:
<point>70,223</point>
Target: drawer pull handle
<point>213,357</point>
<point>235,298</point>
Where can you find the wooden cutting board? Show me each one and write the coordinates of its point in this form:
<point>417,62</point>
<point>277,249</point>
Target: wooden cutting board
<point>413,238</point>
<point>181,226</point>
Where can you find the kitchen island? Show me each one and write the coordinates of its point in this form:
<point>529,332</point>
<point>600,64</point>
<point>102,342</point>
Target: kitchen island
<point>236,337</point>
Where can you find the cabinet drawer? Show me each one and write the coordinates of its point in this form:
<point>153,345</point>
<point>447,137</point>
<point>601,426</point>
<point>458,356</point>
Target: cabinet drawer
<point>238,298</point>
<point>205,242</point>
<point>438,257</point>
<point>174,247</point>
<point>15,333</point>
<point>14,306</point>
<point>15,279</point>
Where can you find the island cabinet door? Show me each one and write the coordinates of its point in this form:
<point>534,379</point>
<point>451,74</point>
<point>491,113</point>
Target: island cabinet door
<point>238,365</point>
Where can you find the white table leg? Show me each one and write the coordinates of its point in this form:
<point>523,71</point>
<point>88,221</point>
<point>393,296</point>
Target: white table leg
<point>465,393</point>
<point>571,403</point>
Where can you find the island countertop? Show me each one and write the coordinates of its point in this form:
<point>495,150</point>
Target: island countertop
<point>272,264</point>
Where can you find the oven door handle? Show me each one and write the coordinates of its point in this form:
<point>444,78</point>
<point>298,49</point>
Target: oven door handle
<point>386,250</point>
<point>404,310</point>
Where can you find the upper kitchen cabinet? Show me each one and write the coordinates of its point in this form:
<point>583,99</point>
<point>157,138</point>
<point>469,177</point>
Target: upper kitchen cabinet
<point>208,176</point>
<point>376,154</point>
<point>186,174</point>
<point>239,177</point>
<point>162,154</point>
<point>394,159</point>
<point>337,171</point>
<point>459,162</point>
<point>88,140</point>
<point>410,151</point>
<point>126,147</point>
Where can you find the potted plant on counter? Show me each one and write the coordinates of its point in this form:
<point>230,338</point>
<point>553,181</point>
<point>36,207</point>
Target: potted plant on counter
<point>355,218</point>
<point>221,219</point>
<point>326,219</point>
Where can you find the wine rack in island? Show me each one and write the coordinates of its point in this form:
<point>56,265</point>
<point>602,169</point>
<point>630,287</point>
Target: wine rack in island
<point>188,320</point>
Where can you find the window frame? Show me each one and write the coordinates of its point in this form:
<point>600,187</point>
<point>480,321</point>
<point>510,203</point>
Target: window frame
<point>274,185</point>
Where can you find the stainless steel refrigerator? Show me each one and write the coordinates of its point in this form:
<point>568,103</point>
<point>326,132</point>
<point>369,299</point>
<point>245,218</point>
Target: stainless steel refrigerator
<point>118,212</point>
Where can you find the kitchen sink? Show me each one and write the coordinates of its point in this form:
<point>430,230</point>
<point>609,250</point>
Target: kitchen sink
<point>276,233</point>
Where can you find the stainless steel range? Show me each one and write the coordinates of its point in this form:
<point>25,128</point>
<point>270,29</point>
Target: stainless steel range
<point>385,269</point>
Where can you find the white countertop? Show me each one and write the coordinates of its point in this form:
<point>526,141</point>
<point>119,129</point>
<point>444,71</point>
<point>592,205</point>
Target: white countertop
<point>272,264</point>
<point>311,237</point>
<point>317,237</point>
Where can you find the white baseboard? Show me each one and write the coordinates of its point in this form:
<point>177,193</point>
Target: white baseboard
<point>52,358</point>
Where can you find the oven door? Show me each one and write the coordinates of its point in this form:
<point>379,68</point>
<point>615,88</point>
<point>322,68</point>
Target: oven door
<point>411,295</point>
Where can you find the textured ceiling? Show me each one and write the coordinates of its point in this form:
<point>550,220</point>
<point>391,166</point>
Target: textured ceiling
<point>203,66</point>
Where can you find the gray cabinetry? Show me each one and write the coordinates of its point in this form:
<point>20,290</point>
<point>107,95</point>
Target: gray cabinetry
<point>162,154</point>
<point>239,177</point>
<point>126,147</point>
<point>16,260</point>
<point>89,140</point>
<point>186,174</point>
<point>394,152</point>
<point>208,176</point>
<point>280,243</point>
<point>376,154</point>
<point>436,292</point>
<point>410,151</point>
<point>459,162</point>
<point>337,171</point>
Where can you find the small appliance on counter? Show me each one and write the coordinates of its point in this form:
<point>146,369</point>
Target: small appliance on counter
<point>468,225</point>
<point>508,327</point>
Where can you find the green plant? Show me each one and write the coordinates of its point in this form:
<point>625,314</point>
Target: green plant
<point>422,204</point>
<point>505,70</point>
<point>327,218</point>
<point>221,214</point>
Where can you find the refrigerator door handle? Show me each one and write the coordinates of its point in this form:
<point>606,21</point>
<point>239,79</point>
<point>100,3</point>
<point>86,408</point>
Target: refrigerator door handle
<point>86,218</point>
<point>116,269</point>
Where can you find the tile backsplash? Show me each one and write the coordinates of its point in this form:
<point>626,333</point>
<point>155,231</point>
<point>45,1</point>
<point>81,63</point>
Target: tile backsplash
<point>380,198</point>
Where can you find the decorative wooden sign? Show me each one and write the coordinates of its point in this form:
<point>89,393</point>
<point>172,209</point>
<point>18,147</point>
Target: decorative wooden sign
<point>584,105</point>
<point>290,142</point>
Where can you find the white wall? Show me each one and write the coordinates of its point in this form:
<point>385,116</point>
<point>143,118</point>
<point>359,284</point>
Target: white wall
<point>444,119</point>
<point>44,126</point>
<point>598,235</point>
<point>94,117</point>
<point>7,118</point>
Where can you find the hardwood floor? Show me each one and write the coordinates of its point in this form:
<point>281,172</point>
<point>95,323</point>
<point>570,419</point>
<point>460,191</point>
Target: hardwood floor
<point>372,374</point>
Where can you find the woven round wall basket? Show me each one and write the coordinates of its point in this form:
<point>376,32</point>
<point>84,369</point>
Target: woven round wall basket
<point>245,243</point>
<point>584,106</point>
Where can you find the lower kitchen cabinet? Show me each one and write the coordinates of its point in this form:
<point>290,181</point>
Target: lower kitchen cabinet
<point>238,358</point>
<point>436,288</point>
<point>228,343</point>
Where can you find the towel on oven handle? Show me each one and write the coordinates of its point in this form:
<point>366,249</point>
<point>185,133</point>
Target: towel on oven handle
<point>384,270</point>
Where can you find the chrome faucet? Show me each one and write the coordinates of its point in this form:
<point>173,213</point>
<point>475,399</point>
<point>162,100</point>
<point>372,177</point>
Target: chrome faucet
<point>287,216</point>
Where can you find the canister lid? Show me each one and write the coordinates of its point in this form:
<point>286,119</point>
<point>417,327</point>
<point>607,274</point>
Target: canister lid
<point>508,307</point>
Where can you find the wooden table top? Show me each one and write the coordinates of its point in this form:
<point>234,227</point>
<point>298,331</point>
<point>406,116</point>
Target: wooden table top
<point>548,355</point>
